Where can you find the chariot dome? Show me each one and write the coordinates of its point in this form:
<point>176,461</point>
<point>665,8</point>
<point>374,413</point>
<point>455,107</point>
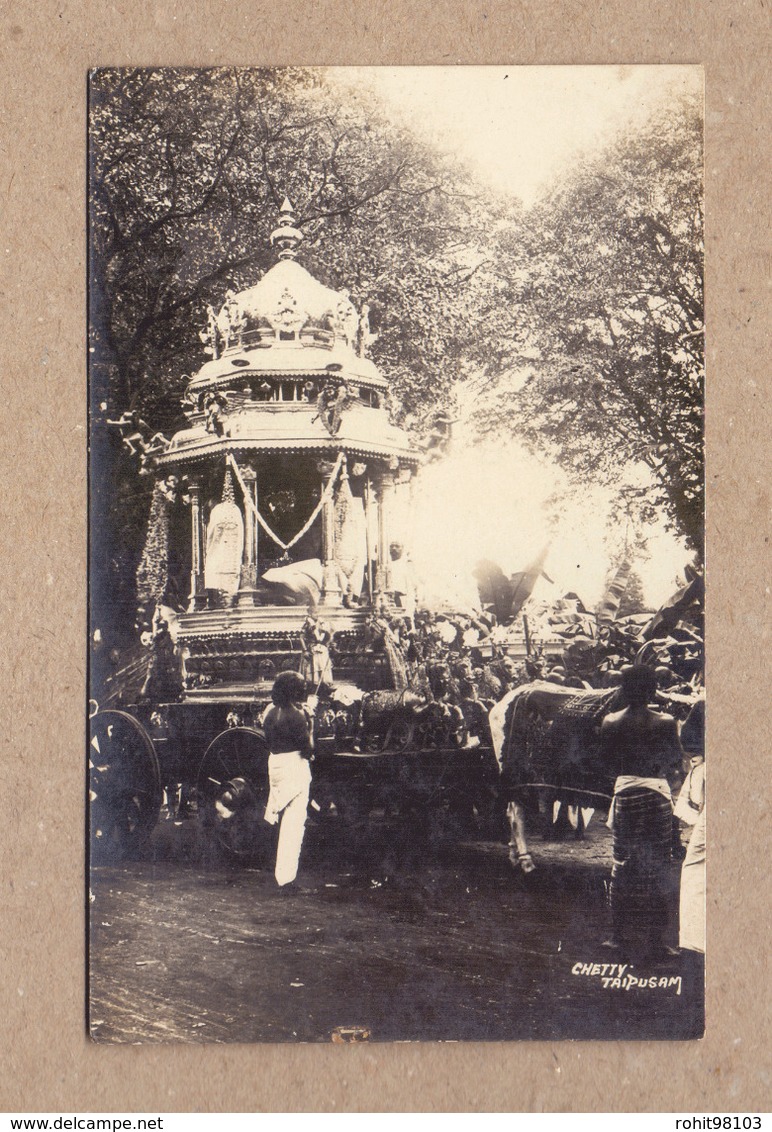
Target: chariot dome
<point>291,466</point>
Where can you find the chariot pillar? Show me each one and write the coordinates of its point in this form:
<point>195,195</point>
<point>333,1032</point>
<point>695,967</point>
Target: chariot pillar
<point>197,595</point>
<point>385,498</point>
<point>247,594</point>
<point>331,592</point>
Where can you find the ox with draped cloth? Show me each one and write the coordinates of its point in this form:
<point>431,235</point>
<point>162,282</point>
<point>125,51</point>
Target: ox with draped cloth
<point>547,743</point>
<point>552,741</point>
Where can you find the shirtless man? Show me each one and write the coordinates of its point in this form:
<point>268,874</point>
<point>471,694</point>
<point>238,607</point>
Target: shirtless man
<point>642,748</point>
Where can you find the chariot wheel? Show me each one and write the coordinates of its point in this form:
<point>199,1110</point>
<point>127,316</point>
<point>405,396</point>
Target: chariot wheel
<point>233,791</point>
<point>373,742</point>
<point>399,736</point>
<point>124,785</point>
<point>457,732</point>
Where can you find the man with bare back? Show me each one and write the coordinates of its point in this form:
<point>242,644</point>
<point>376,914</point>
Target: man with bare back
<point>643,750</point>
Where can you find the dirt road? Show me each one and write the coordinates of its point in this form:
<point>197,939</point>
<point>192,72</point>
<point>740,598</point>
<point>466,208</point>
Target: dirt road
<point>397,939</point>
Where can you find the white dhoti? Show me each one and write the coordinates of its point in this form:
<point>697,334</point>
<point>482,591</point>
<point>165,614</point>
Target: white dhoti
<point>692,904</point>
<point>289,775</point>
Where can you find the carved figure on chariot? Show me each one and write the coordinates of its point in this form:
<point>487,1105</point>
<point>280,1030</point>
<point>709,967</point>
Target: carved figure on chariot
<point>288,469</point>
<point>275,520</point>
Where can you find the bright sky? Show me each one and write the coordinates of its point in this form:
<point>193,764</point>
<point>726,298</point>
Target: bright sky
<point>517,128</point>
<point>488,501</point>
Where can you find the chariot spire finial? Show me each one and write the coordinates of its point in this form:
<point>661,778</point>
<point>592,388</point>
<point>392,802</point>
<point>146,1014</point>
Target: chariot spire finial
<point>286,236</point>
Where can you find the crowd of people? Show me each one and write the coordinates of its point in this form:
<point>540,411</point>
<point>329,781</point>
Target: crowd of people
<point>654,742</point>
<point>470,654</point>
<point>645,749</point>
<point>462,663</point>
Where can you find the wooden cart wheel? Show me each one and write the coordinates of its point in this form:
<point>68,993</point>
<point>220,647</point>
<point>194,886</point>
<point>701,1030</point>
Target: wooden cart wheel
<point>373,742</point>
<point>399,736</point>
<point>233,791</point>
<point>458,732</point>
<point>124,785</point>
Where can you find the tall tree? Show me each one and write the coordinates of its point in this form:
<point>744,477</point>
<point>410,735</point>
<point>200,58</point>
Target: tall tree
<point>602,362</point>
<point>633,599</point>
<point>187,171</point>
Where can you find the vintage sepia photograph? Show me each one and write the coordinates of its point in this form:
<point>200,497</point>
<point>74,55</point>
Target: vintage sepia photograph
<point>396,554</point>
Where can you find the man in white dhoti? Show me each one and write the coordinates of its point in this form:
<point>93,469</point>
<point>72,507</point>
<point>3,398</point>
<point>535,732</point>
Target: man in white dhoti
<point>690,809</point>
<point>692,903</point>
<point>315,662</point>
<point>288,727</point>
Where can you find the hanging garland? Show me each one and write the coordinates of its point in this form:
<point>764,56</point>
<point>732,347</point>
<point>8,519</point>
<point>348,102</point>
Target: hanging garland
<point>326,497</point>
<point>153,569</point>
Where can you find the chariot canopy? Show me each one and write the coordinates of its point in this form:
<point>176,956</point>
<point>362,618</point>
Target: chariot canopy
<point>291,471</point>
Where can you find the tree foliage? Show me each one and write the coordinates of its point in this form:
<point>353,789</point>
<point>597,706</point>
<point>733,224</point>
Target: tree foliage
<point>601,361</point>
<point>580,321</point>
<point>188,169</point>
<point>633,599</point>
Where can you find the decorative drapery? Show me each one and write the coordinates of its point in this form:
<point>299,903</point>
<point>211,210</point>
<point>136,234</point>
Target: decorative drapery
<point>153,569</point>
<point>350,536</point>
<point>327,495</point>
<point>224,543</point>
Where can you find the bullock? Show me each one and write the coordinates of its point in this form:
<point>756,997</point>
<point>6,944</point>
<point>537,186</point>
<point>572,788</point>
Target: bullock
<point>546,738</point>
<point>387,719</point>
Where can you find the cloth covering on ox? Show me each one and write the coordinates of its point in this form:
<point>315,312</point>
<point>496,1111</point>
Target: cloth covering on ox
<point>551,736</point>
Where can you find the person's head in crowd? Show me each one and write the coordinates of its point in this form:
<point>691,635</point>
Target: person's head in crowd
<point>665,676</point>
<point>639,685</point>
<point>555,676</point>
<point>288,688</point>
